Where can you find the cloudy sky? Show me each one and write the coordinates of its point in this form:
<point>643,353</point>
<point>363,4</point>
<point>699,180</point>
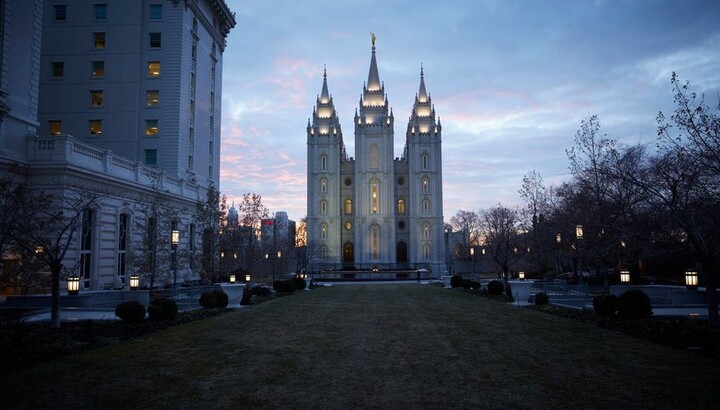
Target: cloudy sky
<point>510,79</point>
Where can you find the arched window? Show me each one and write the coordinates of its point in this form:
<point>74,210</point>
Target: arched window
<point>401,207</point>
<point>426,252</point>
<point>348,207</point>
<point>374,156</point>
<point>426,230</point>
<point>323,231</point>
<point>323,186</point>
<point>323,162</point>
<point>323,207</point>
<point>426,206</point>
<point>401,252</point>
<point>323,252</point>
<point>374,196</point>
<point>375,241</point>
<point>425,161</point>
<point>425,185</point>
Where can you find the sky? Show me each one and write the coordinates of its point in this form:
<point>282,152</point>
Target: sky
<point>511,80</point>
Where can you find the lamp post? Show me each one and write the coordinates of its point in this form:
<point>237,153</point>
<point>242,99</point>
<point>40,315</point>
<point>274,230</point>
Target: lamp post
<point>691,279</point>
<point>247,278</point>
<point>232,279</point>
<point>624,276</point>
<point>73,284</point>
<point>174,240</point>
<point>134,282</point>
<point>521,275</point>
<point>472,262</point>
<point>579,236</point>
<point>558,244</point>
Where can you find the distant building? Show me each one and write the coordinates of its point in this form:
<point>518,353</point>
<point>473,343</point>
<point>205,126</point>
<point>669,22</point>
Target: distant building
<point>278,242</point>
<point>375,211</point>
<point>121,98</point>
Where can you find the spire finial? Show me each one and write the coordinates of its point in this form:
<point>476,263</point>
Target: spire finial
<point>421,70</point>
<point>324,71</point>
<point>372,39</point>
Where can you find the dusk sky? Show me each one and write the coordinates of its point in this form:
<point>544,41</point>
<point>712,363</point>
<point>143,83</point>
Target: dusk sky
<point>510,80</point>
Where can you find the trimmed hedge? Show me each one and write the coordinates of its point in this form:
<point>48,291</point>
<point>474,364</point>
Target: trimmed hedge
<point>495,287</point>
<point>605,305</point>
<point>131,311</point>
<point>541,299</point>
<point>456,281</point>
<point>208,300</point>
<point>634,304</point>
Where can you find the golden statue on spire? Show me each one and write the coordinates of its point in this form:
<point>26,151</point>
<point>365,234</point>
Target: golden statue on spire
<point>372,38</point>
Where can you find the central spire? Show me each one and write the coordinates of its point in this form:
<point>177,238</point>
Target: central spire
<point>373,82</point>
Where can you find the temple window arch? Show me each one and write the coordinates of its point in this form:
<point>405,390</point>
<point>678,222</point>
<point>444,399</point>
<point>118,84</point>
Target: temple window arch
<point>401,206</point>
<point>425,185</point>
<point>323,231</point>
<point>323,186</point>
<point>375,241</point>
<point>323,162</point>
<point>348,208</point>
<point>425,160</point>
<point>374,156</point>
<point>374,196</point>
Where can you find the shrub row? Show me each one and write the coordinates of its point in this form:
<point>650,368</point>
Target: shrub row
<point>160,309</point>
<point>214,298</point>
<point>633,304</point>
<point>289,285</point>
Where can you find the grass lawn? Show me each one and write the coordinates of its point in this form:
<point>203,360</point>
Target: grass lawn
<point>374,346</point>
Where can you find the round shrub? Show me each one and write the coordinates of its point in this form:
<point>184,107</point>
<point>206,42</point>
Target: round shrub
<point>605,305</point>
<point>246,297</point>
<point>495,287</point>
<point>542,299</point>
<point>456,281</point>
<point>163,309</point>
<point>634,304</point>
<point>221,298</point>
<point>261,291</point>
<point>208,300</point>
<point>131,311</point>
<point>284,286</point>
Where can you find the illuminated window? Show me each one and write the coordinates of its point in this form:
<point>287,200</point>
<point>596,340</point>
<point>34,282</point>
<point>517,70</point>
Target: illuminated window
<point>425,185</point>
<point>58,69</point>
<point>150,157</point>
<point>348,225</point>
<point>155,40</point>
<point>98,69</point>
<point>95,127</point>
<point>151,127</point>
<point>152,98</point>
<point>323,186</point>
<point>348,207</point>
<point>60,12</point>
<point>154,69</point>
<point>99,41</point>
<point>55,127</point>
<point>401,207</point>
<point>323,231</point>
<point>100,11</point>
<point>374,197</point>
<point>96,98</point>
<point>426,231</point>
<point>155,11</point>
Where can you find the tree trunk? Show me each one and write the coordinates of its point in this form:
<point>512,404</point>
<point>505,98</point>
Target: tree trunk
<point>55,296</point>
<point>712,296</point>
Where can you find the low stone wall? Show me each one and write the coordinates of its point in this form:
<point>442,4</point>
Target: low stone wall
<point>91,299</point>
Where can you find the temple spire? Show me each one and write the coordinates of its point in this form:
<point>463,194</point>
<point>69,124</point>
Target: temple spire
<point>373,82</point>
<point>324,94</point>
<point>422,94</point>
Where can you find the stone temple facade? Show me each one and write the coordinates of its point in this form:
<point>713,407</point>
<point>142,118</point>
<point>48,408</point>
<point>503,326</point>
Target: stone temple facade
<point>375,211</point>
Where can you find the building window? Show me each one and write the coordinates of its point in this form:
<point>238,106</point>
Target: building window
<point>323,231</point>
<point>100,11</point>
<point>374,156</point>
<point>425,185</point>
<point>155,40</point>
<point>99,41</point>
<point>98,69</point>
<point>426,231</point>
<point>153,69</point>
<point>155,11</point>
<point>86,242</point>
<point>425,161</point>
<point>152,98</point>
<point>323,186</point>
<point>401,207</point>
<point>95,127</point>
<point>151,127</point>
<point>60,12</point>
<point>96,98</point>
<point>323,207</point>
<point>426,206</point>
<point>375,241</point>
<point>123,226</point>
<point>55,127</point>
<point>150,157</point>
<point>58,69</point>
<point>426,252</point>
<point>348,207</point>
<point>323,252</point>
<point>323,162</point>
<point>374,197</point>
<point>348,225</point>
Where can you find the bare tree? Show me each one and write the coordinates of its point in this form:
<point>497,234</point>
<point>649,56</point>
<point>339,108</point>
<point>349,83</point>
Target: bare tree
<point>501,226</point>
<point>470,222</point>
<point>209,216</point>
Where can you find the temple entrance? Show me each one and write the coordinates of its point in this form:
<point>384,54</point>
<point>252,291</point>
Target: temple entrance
<point>348,255</point>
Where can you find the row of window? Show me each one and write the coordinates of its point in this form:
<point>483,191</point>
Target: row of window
<point>100,12</point>
<point>374,159</point>
<point>348,248</point>
<point>97,69</point>
<point>95,127</point>
<point>374,208</point>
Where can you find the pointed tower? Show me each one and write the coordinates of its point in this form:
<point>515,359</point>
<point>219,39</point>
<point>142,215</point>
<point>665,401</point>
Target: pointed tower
<point>374,234</point>
<point>423,153</point>
<point>325,153</point>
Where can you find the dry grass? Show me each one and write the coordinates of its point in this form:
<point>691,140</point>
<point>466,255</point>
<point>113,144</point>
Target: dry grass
<point>374,346</point>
